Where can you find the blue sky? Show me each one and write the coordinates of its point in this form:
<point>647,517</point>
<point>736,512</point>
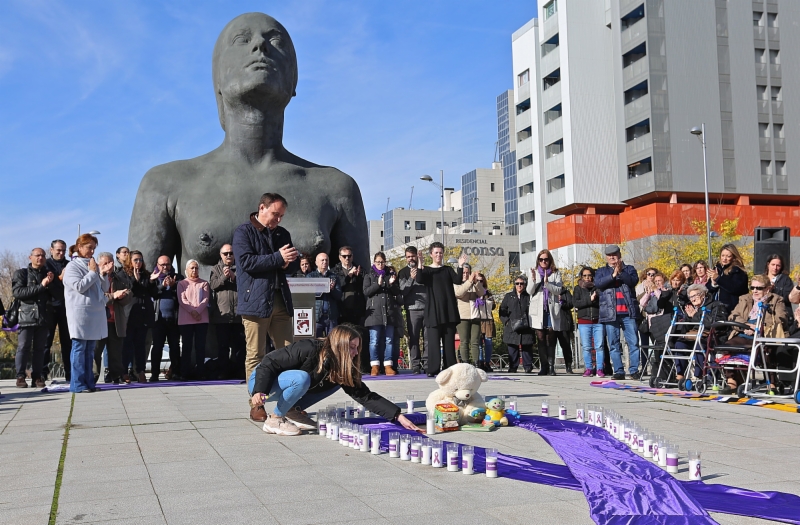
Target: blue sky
<point>96,93</point>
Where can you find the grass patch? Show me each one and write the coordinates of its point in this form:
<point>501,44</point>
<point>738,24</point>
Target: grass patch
<point>60,473</point>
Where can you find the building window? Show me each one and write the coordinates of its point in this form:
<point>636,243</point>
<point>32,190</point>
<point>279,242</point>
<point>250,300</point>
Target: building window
<point>528,247</point>
<point>774,56</point>
<point>551,79</point>
<point>555,184</point>
<point>381,247</point>
<point>777,131</point>
<point>526,189</point>
<point>491,186</point>
<point>758,19</point>
<point>772,19</point>
<point>493,203</point>
<point>524,77</point>
<point>381,233</point>
<point>550,9</point>
<point>775,93</point>
<point>763,130</point>
<point>525,161</point>
<point>407,239</point>
<point>640,168</point>
<point>523,106</point>
<point>761,55</point>
<point>528,216</point>
<point>438,224</point>
<point>524,134</point>
<point>550,115</point>
<point>551,150</point>
<point>453,224</point>
<point>406,225</point>
<point>761,92</point>
<point>420,225</point>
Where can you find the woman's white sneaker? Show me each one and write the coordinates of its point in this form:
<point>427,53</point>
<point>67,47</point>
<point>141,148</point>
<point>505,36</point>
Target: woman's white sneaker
<point>280,426</point>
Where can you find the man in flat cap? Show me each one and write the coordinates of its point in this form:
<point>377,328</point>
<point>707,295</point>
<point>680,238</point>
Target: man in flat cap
<point>616,282</point>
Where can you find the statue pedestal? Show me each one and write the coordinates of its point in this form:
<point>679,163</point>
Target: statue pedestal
<point>304,295</point>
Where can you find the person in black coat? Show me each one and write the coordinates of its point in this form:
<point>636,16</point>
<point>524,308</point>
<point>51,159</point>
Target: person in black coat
<point>728,279</point>
<point>441,308</point>
<point>515,307</point>
<point>776,271</point>
<point>306,372</point>
<point>380,289</point>
<point>144,288</point>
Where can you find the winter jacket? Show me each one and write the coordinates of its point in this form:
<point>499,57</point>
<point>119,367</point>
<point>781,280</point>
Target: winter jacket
<point>85,301</point>
<point>57,287</point>
<point>783,286</point>
<point>582,301</point>
<point>442,305</point>
<point>121,307</point>
<point>193,296</point>
<point>167,293</point>
<point>34,299</point>
<point>222,308</point>
<point>331,298</point>
<point>484,310</point>
<point>381,304</point>
<point>466,292</point>
<point>715,311</point>
<point>536,291</point>
<point>414,294</point>
<point>353,303</point>
<point>304,355</point>
<point>512,308</point>
<point>607,287</point>
<point>142,292</point>
<point>774,314</point>
<point>729,287</point>
<point>260,274</point>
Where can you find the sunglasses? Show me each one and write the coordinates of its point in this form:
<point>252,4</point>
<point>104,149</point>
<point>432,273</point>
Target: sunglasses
<point>136,260</point>
<point>543,259</point>
<point>346,255</point>
<point>758,287</point>
<point>651,274</point>
<point>519,284</point>
<point>227,254</point>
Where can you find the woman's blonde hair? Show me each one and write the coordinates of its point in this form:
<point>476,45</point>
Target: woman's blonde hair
<point>737,258</point>
<point>763,279</point>
<point>336,350</point>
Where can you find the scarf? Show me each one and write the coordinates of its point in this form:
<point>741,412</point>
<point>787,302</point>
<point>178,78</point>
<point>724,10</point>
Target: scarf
<point>586,285</point>
<point>701,281</point>
<point>378,272</point>
<point>544,274</point>
<point>479,301</point>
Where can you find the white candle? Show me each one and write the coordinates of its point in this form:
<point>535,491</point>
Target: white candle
<point>394,444</point>
<point>335,431</point>
<point>672,459</point>
<point>430,425</point>
<point>491,462</point>
<point>343,432</point>
<point>694,466</point>
<point>375,442</point>
<point>648,446</point>
<point>662,454</point>
<point>512,403</point>
<point>598,416</point>
<point>437,455</point>
<point>579,413</point>
<point>416,452</point>
<point>545,408</point>
<point>363,441</point>
<point>426,454</point>
<point>640,446</point>
<point>409,403</point>
<point>562,411</point>
<point>467,459</point>
<point>405,448</point>
<point>655,451</point>
<point>453,464</point>
<point>322,428</point>
<point>590,421</point>
<point>355,433</point>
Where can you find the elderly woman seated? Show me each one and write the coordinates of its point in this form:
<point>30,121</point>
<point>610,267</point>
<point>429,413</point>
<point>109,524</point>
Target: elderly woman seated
<point>699,299</point>
<point>775,324</point>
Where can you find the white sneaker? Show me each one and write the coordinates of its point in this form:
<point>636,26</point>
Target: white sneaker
<point>280,426</point>
<point>300,419</point>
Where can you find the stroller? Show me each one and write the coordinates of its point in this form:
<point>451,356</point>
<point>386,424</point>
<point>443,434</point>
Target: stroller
<point>666,375</point>
<point>748,360</point>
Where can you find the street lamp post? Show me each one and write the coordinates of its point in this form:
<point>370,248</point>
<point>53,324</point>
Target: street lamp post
<point>700,133</point>
<point>93,232</point>
<point>428,178</point>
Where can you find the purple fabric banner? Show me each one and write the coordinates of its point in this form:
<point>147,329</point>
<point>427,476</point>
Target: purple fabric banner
<point>639,475</point>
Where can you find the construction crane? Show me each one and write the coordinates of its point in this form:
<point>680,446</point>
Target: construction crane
<point>411,199</point>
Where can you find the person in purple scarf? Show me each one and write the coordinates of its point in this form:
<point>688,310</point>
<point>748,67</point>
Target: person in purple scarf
<point>545,288</point>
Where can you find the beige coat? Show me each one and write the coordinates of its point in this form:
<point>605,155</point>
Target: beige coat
<point>466,292</point>
<point>775,314</point>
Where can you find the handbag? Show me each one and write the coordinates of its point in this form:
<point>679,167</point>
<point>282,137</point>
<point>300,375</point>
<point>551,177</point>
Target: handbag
<point>11,317</point>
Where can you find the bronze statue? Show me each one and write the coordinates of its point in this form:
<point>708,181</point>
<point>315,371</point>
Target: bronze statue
<point>189,208</point>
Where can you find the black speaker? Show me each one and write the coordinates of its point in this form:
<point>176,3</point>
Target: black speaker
<point>769,241</point>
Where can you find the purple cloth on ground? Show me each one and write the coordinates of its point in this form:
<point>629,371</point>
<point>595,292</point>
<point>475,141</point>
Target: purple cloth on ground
<point>619,486</point>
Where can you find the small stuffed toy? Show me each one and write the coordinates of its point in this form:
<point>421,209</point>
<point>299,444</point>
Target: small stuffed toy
<point>495,413</point>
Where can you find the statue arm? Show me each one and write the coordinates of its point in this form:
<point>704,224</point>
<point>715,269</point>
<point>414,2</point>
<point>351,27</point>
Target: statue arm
<point>152,229</point>
<point>350,228</point>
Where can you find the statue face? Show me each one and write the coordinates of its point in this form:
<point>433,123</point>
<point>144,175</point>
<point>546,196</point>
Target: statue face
<point>254,55</point>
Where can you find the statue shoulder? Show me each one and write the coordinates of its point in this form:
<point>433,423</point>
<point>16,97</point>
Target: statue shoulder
<point>172,174</point>
<point>339,183</point>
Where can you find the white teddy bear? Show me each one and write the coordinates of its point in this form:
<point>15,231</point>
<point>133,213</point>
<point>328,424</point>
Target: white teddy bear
<point>459,385</point>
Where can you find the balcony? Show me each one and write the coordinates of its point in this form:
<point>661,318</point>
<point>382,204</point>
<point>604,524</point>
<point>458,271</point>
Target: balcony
<point>765,144</point>
<point>639,145</point>
<point>555,200</point>
<point>775,70</point>
<point>525,175</point>
<point>779,145</point>
<point>761,69</point>
<point>550,62</point>
<point>774,34</point>
<point>526,203</point>
<point>626,6</point>
<point>550,27</point>
<point>633,34</point>
<point>642,184</point>
<point>552,132</point>
<point>759,32</point>
<point>524,148</point>
<point>763,107</point>
<point>777,107</point>
<point>635,73</point>
<point>551,96</point>
<point>554,166</point>
<point>524,91</point>
<point>523,120</point>
<point>637,110</point>
<point>528,231</point>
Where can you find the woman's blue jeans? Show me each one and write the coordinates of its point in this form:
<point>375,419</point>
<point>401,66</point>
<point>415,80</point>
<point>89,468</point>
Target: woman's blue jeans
<point>381,345</point>
<point>290,390</point>
<point>487,350</point>
<point>592,336</point>
<point>82,359</point>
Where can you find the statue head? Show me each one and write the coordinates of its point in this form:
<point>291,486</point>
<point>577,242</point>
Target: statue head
<point>254,63</point>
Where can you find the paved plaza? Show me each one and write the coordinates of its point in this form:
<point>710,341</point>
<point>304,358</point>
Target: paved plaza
<point>190,455</point>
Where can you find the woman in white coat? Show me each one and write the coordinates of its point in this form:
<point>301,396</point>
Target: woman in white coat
<point>85,296</point>
<point>545,288</point>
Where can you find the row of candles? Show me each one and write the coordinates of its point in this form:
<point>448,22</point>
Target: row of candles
<point>413,448</point>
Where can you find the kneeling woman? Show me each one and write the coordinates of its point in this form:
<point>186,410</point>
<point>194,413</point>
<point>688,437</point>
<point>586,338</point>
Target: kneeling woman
<point>306,372</point>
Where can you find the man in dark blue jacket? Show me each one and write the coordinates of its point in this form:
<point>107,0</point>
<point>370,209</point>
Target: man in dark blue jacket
<point>618,309</point>
<point>265,256</point>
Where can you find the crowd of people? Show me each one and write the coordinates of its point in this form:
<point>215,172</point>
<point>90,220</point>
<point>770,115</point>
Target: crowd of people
<point>107,309</point>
